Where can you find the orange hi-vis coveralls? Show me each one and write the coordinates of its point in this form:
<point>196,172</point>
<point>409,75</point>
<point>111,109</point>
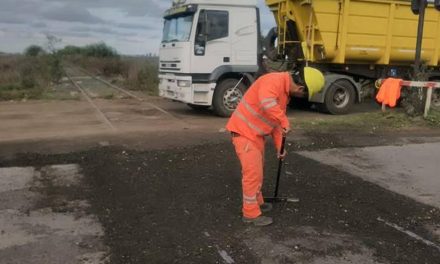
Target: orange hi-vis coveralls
<point>389,92</point>
<point>261,112</point>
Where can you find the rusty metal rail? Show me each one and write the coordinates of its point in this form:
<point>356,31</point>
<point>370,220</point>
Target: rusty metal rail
<point>122,90</point>
<point>100,114</point>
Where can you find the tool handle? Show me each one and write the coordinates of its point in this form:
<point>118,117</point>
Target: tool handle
<point>283,144</point>
<point>280,165</point>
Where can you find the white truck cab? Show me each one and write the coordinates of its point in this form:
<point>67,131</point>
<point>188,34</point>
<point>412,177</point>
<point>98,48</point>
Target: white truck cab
<point>205,51</point>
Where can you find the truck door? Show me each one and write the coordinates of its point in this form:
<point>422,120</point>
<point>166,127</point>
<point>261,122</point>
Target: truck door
<point>212,46</point>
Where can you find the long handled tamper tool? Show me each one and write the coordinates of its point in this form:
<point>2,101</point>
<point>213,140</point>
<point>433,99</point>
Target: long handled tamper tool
<point>275,198</point>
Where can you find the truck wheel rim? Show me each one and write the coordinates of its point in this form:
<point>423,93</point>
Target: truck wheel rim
<point>232,98</point>
<point>341,98</point>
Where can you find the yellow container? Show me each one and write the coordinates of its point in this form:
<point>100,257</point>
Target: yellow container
<point>357,31</point>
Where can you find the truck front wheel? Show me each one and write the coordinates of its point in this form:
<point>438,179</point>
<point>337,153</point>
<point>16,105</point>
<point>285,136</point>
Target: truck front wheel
<point>339,98</point>
<point>227,96</point>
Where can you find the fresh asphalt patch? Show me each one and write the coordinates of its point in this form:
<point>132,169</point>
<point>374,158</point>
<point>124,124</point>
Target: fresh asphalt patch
<point>183,206</point>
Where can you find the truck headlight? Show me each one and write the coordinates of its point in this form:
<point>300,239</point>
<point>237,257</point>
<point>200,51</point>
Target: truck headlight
<point>183,83</point>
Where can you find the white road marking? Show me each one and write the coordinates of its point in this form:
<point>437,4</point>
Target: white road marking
<point>409,233</point>
<point>225,256</point>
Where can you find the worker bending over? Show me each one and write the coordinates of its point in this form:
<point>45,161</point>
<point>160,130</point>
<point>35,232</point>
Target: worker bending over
<point>262,112</point>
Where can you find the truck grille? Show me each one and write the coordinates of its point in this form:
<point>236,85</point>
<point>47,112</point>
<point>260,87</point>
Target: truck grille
<point>170,65</point>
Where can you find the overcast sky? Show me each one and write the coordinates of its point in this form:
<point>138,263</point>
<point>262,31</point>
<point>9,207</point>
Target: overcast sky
<point>130,26</point>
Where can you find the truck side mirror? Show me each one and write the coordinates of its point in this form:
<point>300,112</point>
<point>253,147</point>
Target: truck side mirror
<point>201,35</point>
<point>201,38</point>
<point>200,45</point>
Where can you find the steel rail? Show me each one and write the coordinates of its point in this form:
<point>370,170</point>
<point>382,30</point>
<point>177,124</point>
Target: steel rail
<point>130,94</point>
<point>101,115</point>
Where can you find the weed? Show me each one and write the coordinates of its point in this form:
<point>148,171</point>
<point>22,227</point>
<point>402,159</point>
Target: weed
<point>373,121</point>
<point>56,69</point>
<point>142,74</point>
<point>433,119</point>
<point>134,73</point>
<point>23,77</point>
<point>18,94</point>
<point>109,96</point>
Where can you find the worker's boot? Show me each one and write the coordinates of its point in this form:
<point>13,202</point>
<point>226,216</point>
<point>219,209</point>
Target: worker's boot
<point>266,207</point>
<point>259,221</point>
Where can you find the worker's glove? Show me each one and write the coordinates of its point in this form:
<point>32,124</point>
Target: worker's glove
<point>282,156</point>
<point>286,131</point>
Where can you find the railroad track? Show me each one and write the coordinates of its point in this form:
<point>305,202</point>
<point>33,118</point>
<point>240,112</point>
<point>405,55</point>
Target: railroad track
<point>77,75</point>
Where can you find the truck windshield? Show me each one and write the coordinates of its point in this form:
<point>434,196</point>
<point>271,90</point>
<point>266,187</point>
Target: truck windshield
<point>177,28</point>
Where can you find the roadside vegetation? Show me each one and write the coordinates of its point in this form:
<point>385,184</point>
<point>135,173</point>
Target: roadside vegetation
<point>371,122</point>
<point>130,72</point>
<point>23,77</point>
<point>36,73</point>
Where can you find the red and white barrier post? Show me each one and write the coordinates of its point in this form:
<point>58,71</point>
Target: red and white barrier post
<point>429,85</point>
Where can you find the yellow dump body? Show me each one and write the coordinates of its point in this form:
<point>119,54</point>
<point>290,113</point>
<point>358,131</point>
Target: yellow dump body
<point>357,31</point>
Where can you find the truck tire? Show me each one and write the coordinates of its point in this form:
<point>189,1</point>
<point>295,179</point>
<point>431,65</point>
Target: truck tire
<point>227,95</point>
<point>339,98</point>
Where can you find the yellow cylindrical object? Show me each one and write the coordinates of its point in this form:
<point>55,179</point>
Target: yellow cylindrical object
<point>314,80</point>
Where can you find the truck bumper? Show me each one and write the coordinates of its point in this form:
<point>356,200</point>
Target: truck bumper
<point>181,88</point>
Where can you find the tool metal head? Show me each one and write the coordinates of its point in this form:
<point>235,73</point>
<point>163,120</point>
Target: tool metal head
<point>281,199</point>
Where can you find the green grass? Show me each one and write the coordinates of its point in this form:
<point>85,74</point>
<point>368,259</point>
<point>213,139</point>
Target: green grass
<point>60,94</point>
<point>16,92</point>
<point>369,122</point>
<point>433,118</point>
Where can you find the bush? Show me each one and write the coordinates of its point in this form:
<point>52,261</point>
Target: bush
<point>136,73</point>
<point>70,50</point>
<point>8,70</point>
<point>141,74</point>
<point>34,51</point>
<point>27,76</point>
<point>98,66</point>
<point>23,77</point>
<point>99,50</point>
<point>96,58</point>
<point>56,68</point>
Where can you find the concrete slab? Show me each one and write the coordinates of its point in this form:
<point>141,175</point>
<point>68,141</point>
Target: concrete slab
<point>411,170</point>
<point>15,178</point>
<point>42,235</point>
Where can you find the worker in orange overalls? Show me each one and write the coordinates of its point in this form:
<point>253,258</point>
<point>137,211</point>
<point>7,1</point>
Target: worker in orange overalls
<point>262,112</point>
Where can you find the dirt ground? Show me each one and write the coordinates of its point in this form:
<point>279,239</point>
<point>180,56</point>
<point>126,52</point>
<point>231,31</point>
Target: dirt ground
<point>165,188</point>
